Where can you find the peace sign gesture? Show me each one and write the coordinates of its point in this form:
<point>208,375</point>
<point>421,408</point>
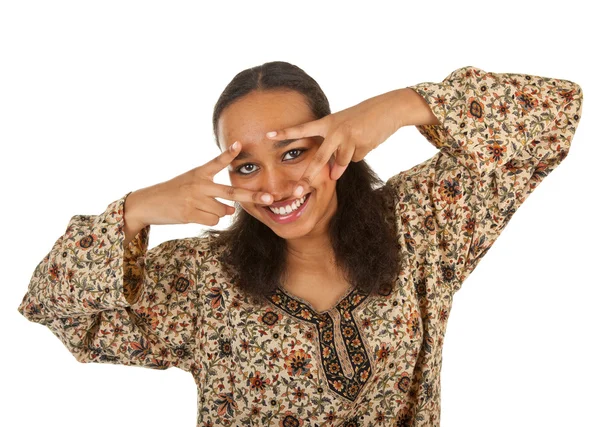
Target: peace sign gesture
<point>191,196</point>
<point>348,135</point>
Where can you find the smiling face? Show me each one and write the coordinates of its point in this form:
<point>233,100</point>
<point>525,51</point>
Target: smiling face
<point>275,166</point>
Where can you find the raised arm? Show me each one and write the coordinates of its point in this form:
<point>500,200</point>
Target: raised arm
<point>499,135</point>
<point>491,117</point>
<point>114,303</point>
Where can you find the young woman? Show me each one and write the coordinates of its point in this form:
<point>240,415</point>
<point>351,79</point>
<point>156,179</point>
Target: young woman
<point>322,307</point>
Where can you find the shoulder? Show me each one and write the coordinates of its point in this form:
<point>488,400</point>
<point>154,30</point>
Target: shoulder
<point>208,251</point>
<point>199,254</point>
<point>204,246</point>
<point>397,185</point>
<point>210,255</point>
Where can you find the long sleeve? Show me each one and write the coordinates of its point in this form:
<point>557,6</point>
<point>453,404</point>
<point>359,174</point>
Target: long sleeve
<point>500,135</point>
<point>113,304</point>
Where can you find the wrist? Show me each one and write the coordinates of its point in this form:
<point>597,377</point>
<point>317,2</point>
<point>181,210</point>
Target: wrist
<point>131,212</point>
<point>411,109</point>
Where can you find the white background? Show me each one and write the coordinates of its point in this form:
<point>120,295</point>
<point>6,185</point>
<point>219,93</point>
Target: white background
<point>101,98</point>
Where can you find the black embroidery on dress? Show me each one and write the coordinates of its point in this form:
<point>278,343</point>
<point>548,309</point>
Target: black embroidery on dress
<point>290,421</point>
<point>476,109</point>
<point>224,347</point>
<point>86,242</point>
<point>270,318</point>
<point>352,422</point>
<point>348,388</point>
<point>181,284</point>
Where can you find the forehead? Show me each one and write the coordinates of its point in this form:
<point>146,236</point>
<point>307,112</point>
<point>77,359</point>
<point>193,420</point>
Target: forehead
<point>250,117</point>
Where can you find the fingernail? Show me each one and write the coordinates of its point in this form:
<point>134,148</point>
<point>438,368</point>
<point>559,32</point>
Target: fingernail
<point>271,134</point>
<point>298,191</point>
<point>265,198</point>
<point>234,146</point>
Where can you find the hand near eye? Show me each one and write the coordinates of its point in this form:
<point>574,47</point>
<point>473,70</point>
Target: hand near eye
<point>348,135</point>
<point>190,197</point>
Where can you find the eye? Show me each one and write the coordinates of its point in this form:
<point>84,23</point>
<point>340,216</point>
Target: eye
<point>300,151</point>
<point>239,169</point>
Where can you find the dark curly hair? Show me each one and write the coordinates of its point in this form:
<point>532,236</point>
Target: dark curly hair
<point>362,234</point>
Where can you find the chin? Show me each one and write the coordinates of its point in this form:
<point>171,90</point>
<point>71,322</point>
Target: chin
<point>286,231</point>
<point>290,234</point>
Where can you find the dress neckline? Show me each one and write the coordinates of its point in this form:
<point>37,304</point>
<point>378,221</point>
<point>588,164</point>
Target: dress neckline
<point>300,300</point>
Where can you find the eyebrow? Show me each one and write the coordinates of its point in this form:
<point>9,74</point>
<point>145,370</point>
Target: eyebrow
<point>276,146</point>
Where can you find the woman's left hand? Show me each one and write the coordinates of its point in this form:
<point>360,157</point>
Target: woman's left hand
<point>348,134</point>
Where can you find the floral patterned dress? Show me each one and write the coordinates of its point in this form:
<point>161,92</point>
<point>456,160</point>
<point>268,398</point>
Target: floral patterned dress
<point>370,360</point>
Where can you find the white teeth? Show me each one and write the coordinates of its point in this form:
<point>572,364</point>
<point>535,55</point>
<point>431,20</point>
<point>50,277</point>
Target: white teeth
<point>289,208</point>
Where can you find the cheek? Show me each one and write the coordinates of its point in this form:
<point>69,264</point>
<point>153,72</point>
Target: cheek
<point>243,184</point>
<point>251,211</point>
<point>324,184</point>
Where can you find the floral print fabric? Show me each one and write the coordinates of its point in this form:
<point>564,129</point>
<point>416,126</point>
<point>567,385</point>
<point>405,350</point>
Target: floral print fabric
<point>372,360</point>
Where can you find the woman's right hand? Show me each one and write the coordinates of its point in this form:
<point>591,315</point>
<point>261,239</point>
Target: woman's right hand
<point>190,197</point>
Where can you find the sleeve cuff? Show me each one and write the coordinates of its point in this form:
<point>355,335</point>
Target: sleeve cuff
<point>88,269</point>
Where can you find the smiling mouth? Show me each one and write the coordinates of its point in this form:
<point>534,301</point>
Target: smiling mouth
<point>291,208</point>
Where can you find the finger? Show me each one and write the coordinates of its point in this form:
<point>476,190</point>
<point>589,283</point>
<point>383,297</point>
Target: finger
<point>202,217</point>
<point>304,130</point>
<point>237,194</point>
<point>320,159</point>
<point>213,206</point>
<point>217,164</point>
<point>342,160</point>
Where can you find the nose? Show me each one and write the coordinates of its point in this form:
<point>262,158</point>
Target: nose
<point>277,183</point>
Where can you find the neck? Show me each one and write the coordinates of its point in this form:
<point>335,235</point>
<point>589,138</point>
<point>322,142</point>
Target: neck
<point>310,254</point>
